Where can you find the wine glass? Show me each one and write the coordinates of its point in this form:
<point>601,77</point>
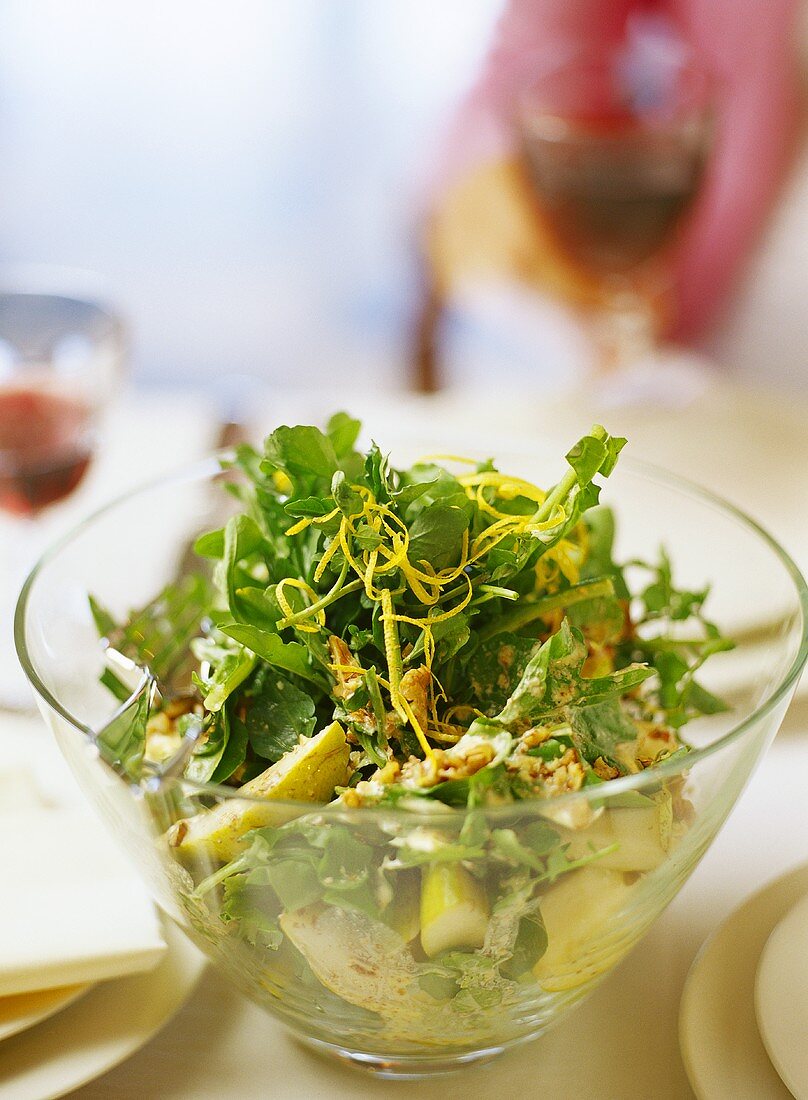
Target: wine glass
<point>615,140</point>
<point>60,357</point>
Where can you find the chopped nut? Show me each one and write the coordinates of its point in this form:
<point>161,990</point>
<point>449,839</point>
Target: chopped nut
<point>389,773</point>
<point>343,661</point>
<point>176,834</point>
<point>415,689</point>
<point>458,762</point>
<point>604,770</point>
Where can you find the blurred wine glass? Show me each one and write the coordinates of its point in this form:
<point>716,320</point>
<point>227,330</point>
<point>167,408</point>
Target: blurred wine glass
<point>60,358</point>
<point>615,139</point>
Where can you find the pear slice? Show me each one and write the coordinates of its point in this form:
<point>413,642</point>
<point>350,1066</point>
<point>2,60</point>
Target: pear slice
<point>634,834</point>
<point>578,915</point>
<point>454,909</point>
<point>368,964</point>
<point>361,960</point>
<point>307,773</point>
<point>403,914</point>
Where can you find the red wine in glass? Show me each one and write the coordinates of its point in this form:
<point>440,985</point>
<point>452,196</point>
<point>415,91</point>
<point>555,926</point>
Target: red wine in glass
<point>612,192</point>
<point>45,448</point>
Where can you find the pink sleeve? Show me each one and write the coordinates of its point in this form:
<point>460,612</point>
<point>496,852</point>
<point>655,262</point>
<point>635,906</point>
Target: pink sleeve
<point>750,43</point>
<point>526,34</point>
<point>751,46</point>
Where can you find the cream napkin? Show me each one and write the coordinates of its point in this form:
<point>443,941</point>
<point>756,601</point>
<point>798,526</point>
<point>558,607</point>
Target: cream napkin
<point>72,910</point>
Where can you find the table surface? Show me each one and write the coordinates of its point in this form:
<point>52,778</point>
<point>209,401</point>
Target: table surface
<point>622,1043</point>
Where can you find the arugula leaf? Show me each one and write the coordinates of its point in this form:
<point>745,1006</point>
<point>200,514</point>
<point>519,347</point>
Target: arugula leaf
<point>104,622</point>
<point>599,729</point>
<point>601,531</point>
<point>495,666</point>
<point>531,944</point>
<point>577,491</point>
<point>553,679</point>
<point>435,533</point>
<point>308,506</point>
<point>114,685</point>
<point>343,431</point>
<point>250,539</point>
<point>295,882</point>
<point>676,659</point>
<point>234,752</point>
<point>290,656</point>
<point>377,474</point>
<point>421,846</point>
<point>233,671</point>
<point>158,636</point>
<point>662,600</point>
<point>677,692</point>
<point>450,636</point>
<point>349,502</point>
<point>408,494</point>
<point>278,717</point>
<point>122,742</point>
<point>302,451</point>
<point>252,909</point>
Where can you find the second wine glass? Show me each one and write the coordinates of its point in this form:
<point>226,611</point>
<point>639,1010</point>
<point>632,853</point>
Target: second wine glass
<point>60,359</point>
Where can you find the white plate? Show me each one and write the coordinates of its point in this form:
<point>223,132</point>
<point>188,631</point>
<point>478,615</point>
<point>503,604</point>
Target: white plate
<point>721,1047</point>
<point>22,1011</point>
<point>102,1029</point>
<point>781,998</point>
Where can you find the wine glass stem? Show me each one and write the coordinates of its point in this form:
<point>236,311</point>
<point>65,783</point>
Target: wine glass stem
<point>19,549</point>
<point>625,330</point>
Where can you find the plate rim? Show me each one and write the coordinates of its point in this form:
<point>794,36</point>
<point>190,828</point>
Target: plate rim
<point>790,886</point>
<point>69,994</point>
<point>182,959</point>
<point>762,1013</point>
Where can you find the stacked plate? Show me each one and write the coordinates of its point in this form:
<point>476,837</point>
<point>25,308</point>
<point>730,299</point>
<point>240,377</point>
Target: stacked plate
<point>745,1003</point>
<point>88,972</point>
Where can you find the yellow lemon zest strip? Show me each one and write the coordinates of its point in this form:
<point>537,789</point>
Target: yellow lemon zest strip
<point>326,558</point>
<point>344,668</point>
<point>370,566</point>
<point>418,589</point>
<point>286,607</point>
<point>392,651</point>
<point>443,731</point>
<point>441,616</point>
<point>282,481</point>
<point>507,486</point>
<point>307,521</point>
<point>416,725</point>
<point>296,528</point>
<point>357,568</point>
<point>449,458</point>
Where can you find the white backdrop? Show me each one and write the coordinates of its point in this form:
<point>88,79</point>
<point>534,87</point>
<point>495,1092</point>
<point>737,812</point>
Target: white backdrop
<point>246,177</point>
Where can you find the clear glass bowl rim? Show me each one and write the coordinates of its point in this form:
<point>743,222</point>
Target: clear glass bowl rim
<point>212,465</point>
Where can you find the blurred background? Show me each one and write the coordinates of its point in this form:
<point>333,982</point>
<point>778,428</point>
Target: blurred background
<point>475,224</point>
<point>246,177</point>
<point>253,182</point>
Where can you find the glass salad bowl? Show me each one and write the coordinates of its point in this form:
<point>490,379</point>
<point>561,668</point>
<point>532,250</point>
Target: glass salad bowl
<point>483,942</point>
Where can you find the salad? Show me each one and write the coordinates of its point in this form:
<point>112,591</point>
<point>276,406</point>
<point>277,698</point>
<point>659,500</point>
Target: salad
<point>437,660</point>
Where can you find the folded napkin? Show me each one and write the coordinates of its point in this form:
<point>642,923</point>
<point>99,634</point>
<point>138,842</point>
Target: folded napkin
<point>72,911</point>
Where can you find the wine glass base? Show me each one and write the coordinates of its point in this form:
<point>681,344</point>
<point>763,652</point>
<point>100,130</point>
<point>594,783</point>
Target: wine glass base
<point>403,1067</point>
<point>670,378</point>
